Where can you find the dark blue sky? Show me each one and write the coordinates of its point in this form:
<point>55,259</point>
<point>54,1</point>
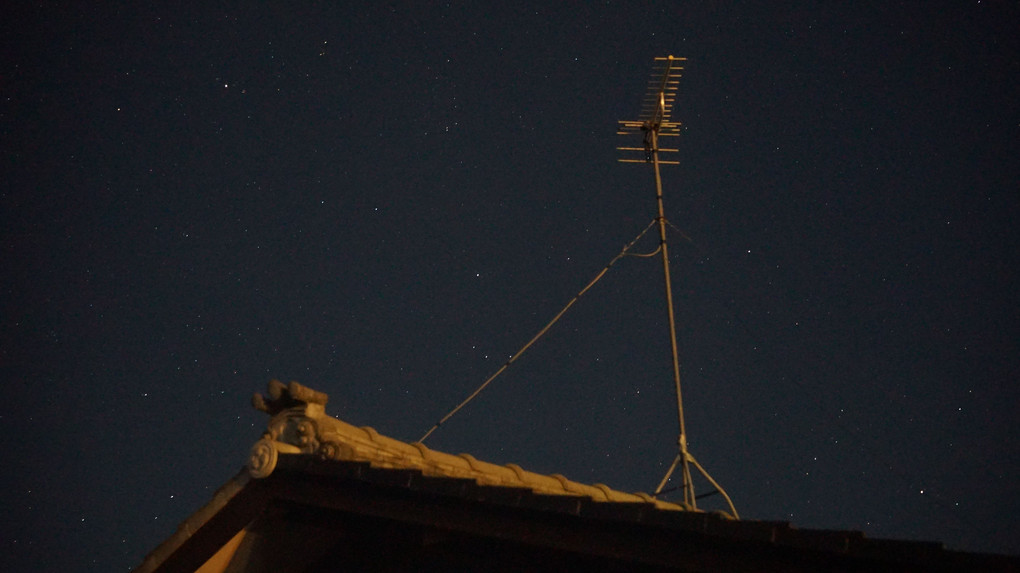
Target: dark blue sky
<point>384,203</point>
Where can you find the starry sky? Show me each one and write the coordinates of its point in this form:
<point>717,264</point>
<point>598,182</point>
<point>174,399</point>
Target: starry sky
<point>384,201</point>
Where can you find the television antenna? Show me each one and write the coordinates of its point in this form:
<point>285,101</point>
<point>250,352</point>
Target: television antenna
<point>654,122</point>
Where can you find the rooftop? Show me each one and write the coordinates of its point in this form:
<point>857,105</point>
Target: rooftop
<point>318,492</point>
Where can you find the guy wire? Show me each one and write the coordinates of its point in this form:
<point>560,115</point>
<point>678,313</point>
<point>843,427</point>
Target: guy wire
<point>540,333</point>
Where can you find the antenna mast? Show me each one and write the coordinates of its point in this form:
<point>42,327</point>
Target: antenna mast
<point>654,122</point>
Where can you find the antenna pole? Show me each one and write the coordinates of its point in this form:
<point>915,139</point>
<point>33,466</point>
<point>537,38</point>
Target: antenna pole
<point>652,141</point>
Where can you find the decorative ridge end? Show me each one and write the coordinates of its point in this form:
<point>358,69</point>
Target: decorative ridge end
<point>284,396</point>
<point>297,412</point>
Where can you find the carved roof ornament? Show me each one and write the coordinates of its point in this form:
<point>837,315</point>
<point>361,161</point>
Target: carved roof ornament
<point>300,426</point>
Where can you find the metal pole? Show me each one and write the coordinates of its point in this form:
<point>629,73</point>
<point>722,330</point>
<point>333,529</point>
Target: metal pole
<point>688,484</point>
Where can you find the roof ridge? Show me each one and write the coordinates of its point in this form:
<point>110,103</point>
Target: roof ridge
<point>300,425</point>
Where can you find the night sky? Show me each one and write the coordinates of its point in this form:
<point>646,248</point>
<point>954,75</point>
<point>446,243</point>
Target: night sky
<point>384,202</point>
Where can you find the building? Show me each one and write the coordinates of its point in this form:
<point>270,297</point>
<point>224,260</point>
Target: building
<point>319,494</point>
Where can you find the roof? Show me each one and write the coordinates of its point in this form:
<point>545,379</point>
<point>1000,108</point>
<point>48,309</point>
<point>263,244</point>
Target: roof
<point>312,477</point>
